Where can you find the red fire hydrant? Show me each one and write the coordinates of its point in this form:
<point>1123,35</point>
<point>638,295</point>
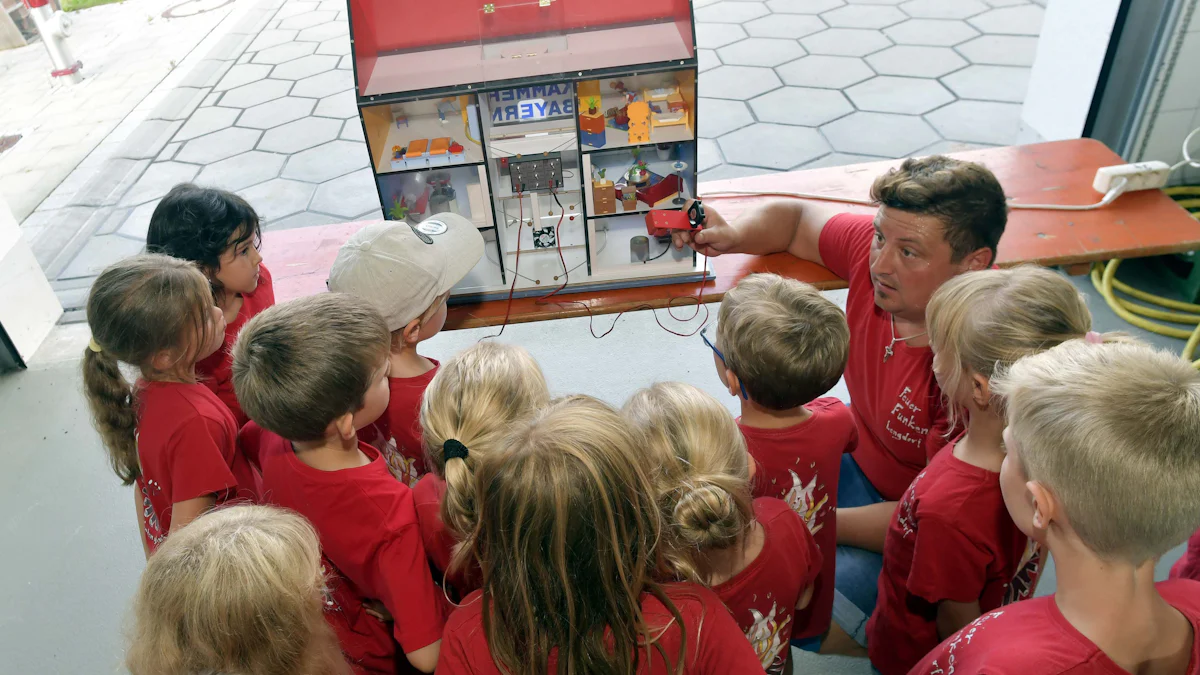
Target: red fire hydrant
<point>54,28</point>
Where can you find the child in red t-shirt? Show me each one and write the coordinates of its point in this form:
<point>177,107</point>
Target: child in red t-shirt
<point>779,345</point>
<point>1102,470</point>
<point>567,538</point>
<point>263,615</point>
<point>310,373</point>
<point>168,434</point>
<point>219,232</point>
<point>759,556</point>
<point>951,551</point>
<point>406,271</point>
<point>468,408</point>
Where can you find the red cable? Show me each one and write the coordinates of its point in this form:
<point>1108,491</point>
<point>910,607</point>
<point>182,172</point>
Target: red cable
<point>516,266</point>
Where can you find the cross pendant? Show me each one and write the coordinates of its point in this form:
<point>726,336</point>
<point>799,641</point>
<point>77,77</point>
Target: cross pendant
<point>887,353</point>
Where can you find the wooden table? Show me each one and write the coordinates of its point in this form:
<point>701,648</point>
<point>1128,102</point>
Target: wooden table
<point>1137,224</point>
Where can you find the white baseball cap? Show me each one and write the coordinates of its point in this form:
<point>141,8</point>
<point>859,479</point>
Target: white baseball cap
<point>402,268</point>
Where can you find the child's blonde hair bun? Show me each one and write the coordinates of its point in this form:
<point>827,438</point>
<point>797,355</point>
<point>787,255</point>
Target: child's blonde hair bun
<point>707,516</point>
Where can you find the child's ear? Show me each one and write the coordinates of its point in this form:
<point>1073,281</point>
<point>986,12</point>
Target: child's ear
<point>981,391</point>
<point>344,426</point>
<point>733,383</point>
<point>411,331</point>
<point>1045,508</point>
<point>164,360</point>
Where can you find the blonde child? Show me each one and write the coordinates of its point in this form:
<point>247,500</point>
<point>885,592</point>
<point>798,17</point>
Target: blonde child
<point>779,346</point>
<point>167,434</point>
<point>406,272</point>
<point>310,373</point>
<point>951,550</point>
<point>219,232</point>
<point>758,557</point>
<point>566,536</point>
<point>470,405</point>
<point>1102,470</point>
<point>240,590</point>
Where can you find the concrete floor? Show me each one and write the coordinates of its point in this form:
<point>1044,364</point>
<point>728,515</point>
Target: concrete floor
<point>73,555</point>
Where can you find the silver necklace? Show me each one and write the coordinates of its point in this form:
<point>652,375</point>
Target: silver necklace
<point>887,351</point>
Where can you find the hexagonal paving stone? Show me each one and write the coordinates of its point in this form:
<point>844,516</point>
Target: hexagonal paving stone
<point>874,2</point>
<point>243,74</point>
<point>271,38</point>
<point>278,198</point>
<point>858,16</point>
<point>790,26</point>
<point>719,117</point>
<point>347,63</point>
<point>879,134</point>
<point>324,32</point>
<point>340,105</point>
<point>727,171</point>
<point>347,196</point>
<point>206,121</point>
<point>274,113</point>
<point>218,145</point>
<point>827,72</point>
<point>990,83</point>
<point>302,219</point>
<point>915,61</point>
<point>352,130</point>
<point>294,7</point>
<point>338,46</point>
<point>100,252</point>
<point>300,135</point>
<point>320,86</point>
<point>930,32</point>
<point>947,147</point>
<point>253,94</point>
<point>304,66</point>
<point>1000,50</point>
<point>1022,20</point>
<point>708,154</point>
<point>899,95</point>
<point>284,52</point>
<point>714,35</point>
<point>978,122</point>
<point>943,9</point>
<point>803,6</point>
<point>840,159</point>
<point>846,42</point>
<point>307,20</point>
<point>708,59</point>
<point>773,146</point>
<point>333,159</point>
<point>800,105</point>
<point>138,223</point>
<point>242,171</point>
<point>731,12</point>
<point>760,52</point>
<point>158,179</point>
<point>739,82</point>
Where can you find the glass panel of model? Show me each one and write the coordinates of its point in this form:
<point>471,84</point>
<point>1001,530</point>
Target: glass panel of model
<point>424,134</point>
<point>416,195</point>
<point>637,110</point>
<point>411,46</point>
<point>636,180</point>
<point>622,249</point>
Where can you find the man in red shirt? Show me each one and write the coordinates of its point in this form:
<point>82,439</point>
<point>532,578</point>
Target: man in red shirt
<point>938,217</point>
<point>1102,469</point>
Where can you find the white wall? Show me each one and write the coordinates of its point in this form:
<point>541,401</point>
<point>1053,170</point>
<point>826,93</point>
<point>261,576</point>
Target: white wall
<point>28,306</point>
<point>1178,111</point>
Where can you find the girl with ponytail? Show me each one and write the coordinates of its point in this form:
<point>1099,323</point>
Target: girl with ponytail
<point>757,555</point>
<point>469,406</point>
<point>166,434</point>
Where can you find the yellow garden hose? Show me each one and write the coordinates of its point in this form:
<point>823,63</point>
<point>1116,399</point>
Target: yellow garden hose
<point>1104,278</point>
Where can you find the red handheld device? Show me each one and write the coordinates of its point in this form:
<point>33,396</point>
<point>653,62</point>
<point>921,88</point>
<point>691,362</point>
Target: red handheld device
<point>660,223</point>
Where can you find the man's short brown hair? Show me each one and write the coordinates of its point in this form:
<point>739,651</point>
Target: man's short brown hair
<point>965,196</point>
<point>300,365</point>
<point>785,341</point>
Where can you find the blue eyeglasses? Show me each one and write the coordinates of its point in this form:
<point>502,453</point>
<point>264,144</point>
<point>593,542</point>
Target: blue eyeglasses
<point>704,336</point>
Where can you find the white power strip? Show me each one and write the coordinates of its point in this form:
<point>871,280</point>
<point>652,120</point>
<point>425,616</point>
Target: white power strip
<point>1140,176</point>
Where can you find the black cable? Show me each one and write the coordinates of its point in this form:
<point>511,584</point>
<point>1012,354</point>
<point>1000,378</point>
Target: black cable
<point>664,252</point>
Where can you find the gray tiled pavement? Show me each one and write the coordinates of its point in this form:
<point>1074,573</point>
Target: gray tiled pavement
<point>785,84</point>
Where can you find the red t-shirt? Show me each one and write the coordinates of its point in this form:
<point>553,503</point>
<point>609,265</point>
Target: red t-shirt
<point>187,448</point>
<point>763,596</point>
<point>365,640</point>
<point>439,542</point>
<point>368,528</point>
<point>951,539</point>
<point>800,465</point>
<point>400,428</point>
<point>1034,638</point>
<point>217,370</point>
<point>1188,567</point>
<point>715,645</point>
<point>897,404</point>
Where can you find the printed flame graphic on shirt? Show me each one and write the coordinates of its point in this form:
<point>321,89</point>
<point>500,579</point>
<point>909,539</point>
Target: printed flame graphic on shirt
<point>1025,581</point>
<point>804,502</point>
<point>150,523</point>
<point>764,635</point>
<point>945,663</point>
<point>904,514</point>
<point>402,467</point>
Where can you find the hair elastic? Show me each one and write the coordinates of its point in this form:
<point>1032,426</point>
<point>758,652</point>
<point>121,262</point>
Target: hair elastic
<point>94,346</point>
<point>452,449</point>
<point>1093,337</point>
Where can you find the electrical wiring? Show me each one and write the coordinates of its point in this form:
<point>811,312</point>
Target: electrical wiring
<point>1187,155</point>
<point>516,266</point>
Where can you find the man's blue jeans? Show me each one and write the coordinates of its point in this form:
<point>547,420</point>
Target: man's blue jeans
<point>857,580</point>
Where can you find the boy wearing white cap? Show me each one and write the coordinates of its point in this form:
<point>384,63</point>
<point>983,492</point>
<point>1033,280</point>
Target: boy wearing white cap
<point>406,271</point>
